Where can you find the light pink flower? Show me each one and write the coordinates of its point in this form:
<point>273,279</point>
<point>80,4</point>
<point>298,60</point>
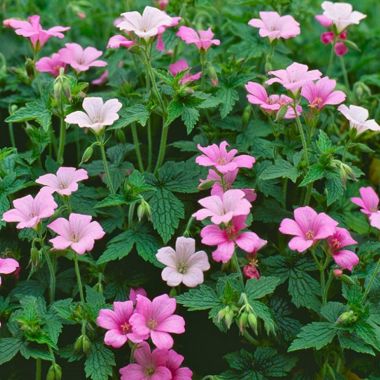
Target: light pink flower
<point>160,46</point>
<point>157,319</point>
<point>307,228</point>
<point>174,362</point>
<point>183,265</point>
<point>324,21</point>
<point>223,208</point>
<point>294,76</point>
<point>148,365</point>
<point>202,39</point>
<point>327,37</point>
<point>374,219</point>
<point>358,118</point>
<point>118,40</point>
<point>29,211</point>
<point>179,67</point>
<point>369,201</point>
<point>33,30</point>
<point>223,161</point>
<point>64,182</point>
<point>101,80</point>
<point>226,238</point>
<point>8,266</point>
<point>344,258</point>
<point>51,65</point>
<point>116,321</point>
<point>79,233</point>
<point>321,93</point>
<point>98,114</point>
<point>133,293</point>
<point>340,49</point>
<point>274,26</point>
<point>81,59</point>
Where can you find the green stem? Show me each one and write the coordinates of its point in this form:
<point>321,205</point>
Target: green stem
<point>162,149</point>
<point>130,213</point>
<point>327,288</point>
<point>105,164</point>
<point>344,71</point>
<point>331,59</point>
<point>251,339</point>
<point>62,140</point>
<point>150,146</point>
<point>79,279</point>
<point>38,369</point>
<point>236,264</point>
<point>52,280</point>
<point>12,135</point>
<point>372,280</point>
<point>136,143</point>
<point>188,226</point>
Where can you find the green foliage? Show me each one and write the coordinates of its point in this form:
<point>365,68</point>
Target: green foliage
<point>99,362</point>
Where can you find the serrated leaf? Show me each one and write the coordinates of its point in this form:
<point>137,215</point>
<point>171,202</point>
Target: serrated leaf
<point>263,312</point>
<point>9,347</point>
<point>280,169</point>
<point>228,97</point>
<point>99,362</point>
<point>111,201</point>
<point>334,188</point>
<point>324,144</point>
<point>314,173</point>
<point>349,341</point>
<point>190,117</point>
<point>258,288</point>
<point>136,113</point>
<point>201,298</point>
<point>174,111</point>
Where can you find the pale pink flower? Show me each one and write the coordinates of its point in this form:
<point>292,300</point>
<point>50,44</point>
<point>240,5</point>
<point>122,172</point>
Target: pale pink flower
<point>133,293</point>
<point>118,40</point>
<point>174,362</point>
<point>51,65</point>
<point>358,118</point>
<point>226,238</point>
<point>223,161</point>
<point>64,182</point>
<point>179,67</point>
<point>160,46</point>
<point>101,80</point>
<point>81,59</point>
<point>274,26</point>
<point>340,49</point>
<point>374,219</point>
<point>78,232</point>
<point>202,39</point>
<point>327,37</point>
<point>8,266</point>
<point>223,208</point>
<point>324,21</point>
<point>183,265</point>
<point>116,321</point>
<point>369,201</point>
<point>97,115</point>
<point>157,319</point>
<point>343,258</point>
<point>307,228</point>
<point>29,211</point>
<point>294,76</point>
<point>321,93</point>
<point>148,365</point>
<point>33,30</point>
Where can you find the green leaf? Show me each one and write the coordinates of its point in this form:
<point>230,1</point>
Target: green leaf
<point>111,201</point>
<point>174,111</point>
<point>227,97</point>
<point>334,188</point>
<point>332,310</point>
<point>95,300</point>
<point>9,347</point>
<point>32,351</point>
<point>280,169</point>
<point>117,248</point>
<point>304,290</point>
<point>315,173</point>
<point>258,288</point>
<point>190,117</point>
<point>99,362</point>
<point>136,113</point>
<point>200,298</point>
<point>349,341</point>
<point>324,144</point>
<point>263,312</point>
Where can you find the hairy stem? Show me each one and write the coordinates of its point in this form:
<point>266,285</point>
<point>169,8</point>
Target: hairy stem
<point>52,279</point>
<point>105,164</point>
<point>62,140</point>
<point>136,143</point>
<point>79,278</point>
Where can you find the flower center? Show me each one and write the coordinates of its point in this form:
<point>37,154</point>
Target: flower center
<point>317,102</point>
<point>231,232</point>
<point>221,161</point>
<point>182,268</point>
<point>149,371</point>
<point>152,324</point>
<point>335,244</point>
<point>309,235</point>
<point>125,328</point>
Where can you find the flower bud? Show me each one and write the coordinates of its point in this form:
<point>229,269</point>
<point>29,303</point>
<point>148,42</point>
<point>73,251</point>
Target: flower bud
<point>206,184</point>
<point>340,49</point>
<point>343,35</point>
<point>229,317</point>
<point>144,210</point>
<point>35,257</point>
<point>250,271</point>
<point>252,321</point>
<point>347,318</point>
<point>87,154</point>
<point>54,372</point>
<point>338,273</point>
<point>243,321</point>
<point>327,37</point>
<point>82,344</point>
<point>30,68</point>
<point>281,112</point>
<point>213,75</point>
<point>361,90</point>
<point>246,115</point>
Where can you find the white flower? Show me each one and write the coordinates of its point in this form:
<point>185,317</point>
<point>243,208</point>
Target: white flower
<point>358,118</point>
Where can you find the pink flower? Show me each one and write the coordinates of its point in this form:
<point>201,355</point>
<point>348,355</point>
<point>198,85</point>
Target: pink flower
<point>174,362</point>
<point>308,227</point>
<point>118,40</point>
<point>183,265</point>
<point>160,46</point>
<point>33,30</point>
<point>226,238</point>
<point>116,321</point>
<point>344,258</point>
<point>101,80</point>
<point>327,37</point>
<point>8,266</point>
<point>358,118</point>
<point>274,26</point>
<point>81,59</point>
<point>374,219</point>
<point>369,201</point>
<point>157,319</point>
<point>64,182</point>
<point>321,93</point>
<point>324,21</point>
<point>179,67</point>
<point>133,293</point>
<point>294,76</point>
<point>78,232</point>
<point>51,65</point>
<point>223,208</point>
<point>162,4</point>
<point>223,161</point>
<point>340,49</point>
<point>251,271</point>
<point>202,39</point>
<point>98,114</point>
<point>148,365</point>
<point>29,211</point>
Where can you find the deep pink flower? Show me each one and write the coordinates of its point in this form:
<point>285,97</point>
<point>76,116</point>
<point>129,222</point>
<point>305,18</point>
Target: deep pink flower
<point>134,292</point>
<point>116,321</point>
<point>294,76</point>
<point>223,161</point>
<point>369,201</point>
<point>81,59</point>
<point>148,365</point>
<point>179,67</point>
<point>321,93</point>
<point>118,40</point>
<point>327,37</point>
<point>174,363</point>
<point>343,35</point>
<point>29,211</point>
<point>162,4</point>
<point>79,233</point>
<point>202,39</point>
<point>51,65</point>
<point>157,319</point>
<point>307,228</point>
<point>101,80</point>
<point>340,49</point>
<point>33,30</point>
<point>344,258</point>
<point>274,26</point>
<point>64,182</point>
<point>324,21</point>
<point>250,271</point>
<point>8,266</point>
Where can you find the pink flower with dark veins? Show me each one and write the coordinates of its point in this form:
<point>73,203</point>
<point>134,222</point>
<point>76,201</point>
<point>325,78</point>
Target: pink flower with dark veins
<point>51,65</point>
<point>202,39</point>
<point>8,266</point>
<point>179,67</point>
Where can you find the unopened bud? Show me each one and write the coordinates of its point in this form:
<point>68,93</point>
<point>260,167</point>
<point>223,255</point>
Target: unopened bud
<point>35,256</point>
<point>252,321</point>
<point>87,154</point>
<point>246,115</point>
<point>229,318</point>
<point>54,372</point>
<point>281,112</point>
<point>144,210</point>
<point>206,184</point>
<point>243,321</point>
<point>82,344</point>
<point>348,317</point>
<point>361,90</point>
<point>213,75</point>
<point>338,273</point>
<point>29,67</point>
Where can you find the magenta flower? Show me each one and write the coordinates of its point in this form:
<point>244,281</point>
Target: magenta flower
<point>8,266</point>
<point>174,362</point>
<point>179,67</point>
<point>64,182</point>
<point>148,365</point>
<point>157,319</point>
<point>307,228</point>
<point>119,41</point>
<point>183,265</point>
<point>327,37</point>
<point>294,76</point>
<point>29,211</point>
<point>321,93</point>
<point>344,258</point>
<point>358,118</point>
<point>81,59</point>
<point>133,293</point>
<point>226,238</point>
<point>274,26</point>
<point>324,21</point>
<point>223,208</point>
<point>79,233</point>
<point>223,161</point>
<point>340,49</point>
<point>103,78</point>
<point>98,114</point>
<point>369,201</point>
<point>116,321</point>
<point>33,30</point>
<point>51,65</point>
<point>202,39</point>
